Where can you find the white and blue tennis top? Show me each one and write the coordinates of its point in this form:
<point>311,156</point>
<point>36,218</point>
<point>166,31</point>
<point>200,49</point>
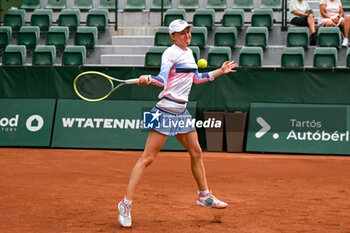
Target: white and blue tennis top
<point>177,73</point>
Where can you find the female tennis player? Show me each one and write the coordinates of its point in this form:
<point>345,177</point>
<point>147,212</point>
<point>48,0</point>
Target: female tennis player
<point>178,71</point>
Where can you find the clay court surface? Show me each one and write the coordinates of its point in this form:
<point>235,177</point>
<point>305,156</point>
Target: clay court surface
<point>45,190</point>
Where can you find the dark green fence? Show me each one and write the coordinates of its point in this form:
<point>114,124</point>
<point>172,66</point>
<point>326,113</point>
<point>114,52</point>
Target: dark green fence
<point>233,91</point>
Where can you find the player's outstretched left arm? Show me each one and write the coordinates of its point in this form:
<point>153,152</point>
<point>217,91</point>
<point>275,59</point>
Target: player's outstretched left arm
<point>227,67</point>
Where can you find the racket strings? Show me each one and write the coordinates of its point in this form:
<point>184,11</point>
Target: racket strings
<point>93,86</point>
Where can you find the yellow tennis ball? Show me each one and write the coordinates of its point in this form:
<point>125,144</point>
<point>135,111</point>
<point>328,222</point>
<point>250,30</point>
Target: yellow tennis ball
<point>202,63</point>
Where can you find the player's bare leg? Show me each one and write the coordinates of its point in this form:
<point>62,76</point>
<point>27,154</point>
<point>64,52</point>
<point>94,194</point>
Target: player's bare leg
<point>190,142</point>
<point>154,143</point>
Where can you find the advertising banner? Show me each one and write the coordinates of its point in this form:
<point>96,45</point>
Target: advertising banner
<point>299,128</point>
<point>107,124</point>
<point>26,122</point>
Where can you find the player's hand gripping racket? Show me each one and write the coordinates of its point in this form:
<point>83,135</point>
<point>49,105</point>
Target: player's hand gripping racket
<point>95,86</point>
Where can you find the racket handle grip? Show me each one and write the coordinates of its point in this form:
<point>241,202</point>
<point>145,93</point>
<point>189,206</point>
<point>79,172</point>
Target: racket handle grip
<point>136,80</point>
<point>132,81</point>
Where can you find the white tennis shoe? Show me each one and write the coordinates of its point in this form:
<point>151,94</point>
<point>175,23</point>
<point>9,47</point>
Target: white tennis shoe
<point>211,201</point>
<point>345,42</point>
<point>124,217</point>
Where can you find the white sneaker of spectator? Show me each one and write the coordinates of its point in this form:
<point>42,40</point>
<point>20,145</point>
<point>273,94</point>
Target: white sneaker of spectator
<point>345,42</point>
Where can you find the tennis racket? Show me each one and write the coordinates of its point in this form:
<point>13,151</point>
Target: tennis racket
<point>94,86</point>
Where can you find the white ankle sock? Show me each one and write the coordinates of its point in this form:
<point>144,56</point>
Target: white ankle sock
<point>126,201</point>
<point>203,193</point>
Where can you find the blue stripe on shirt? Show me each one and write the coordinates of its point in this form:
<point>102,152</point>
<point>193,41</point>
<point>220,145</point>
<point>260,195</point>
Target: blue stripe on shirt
<point>185,70</point>
<point>163,74</point>
<point>202,75</point>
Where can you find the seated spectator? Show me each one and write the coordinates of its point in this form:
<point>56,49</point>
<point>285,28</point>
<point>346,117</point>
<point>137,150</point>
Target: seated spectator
<point>331,15</point>
<point>302,15</point>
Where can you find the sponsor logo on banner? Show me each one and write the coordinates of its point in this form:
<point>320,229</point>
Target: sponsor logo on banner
<point>265,127</point>
<point>299,128</point>
<point>304,130</point>
<point>34,123</point>
<point>9,124</point>
<point>116,124</point>
<point>26,122</point>
<point>149,122</point>
<point>101,123</point>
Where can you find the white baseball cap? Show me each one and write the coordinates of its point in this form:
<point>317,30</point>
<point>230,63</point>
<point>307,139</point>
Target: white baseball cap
<point>178,25</point>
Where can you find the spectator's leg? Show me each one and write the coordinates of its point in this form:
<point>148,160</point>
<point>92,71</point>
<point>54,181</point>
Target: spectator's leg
<point>311,23</point>
<point>344,24</point>
<point>347,26</point>
<point>328,23</point>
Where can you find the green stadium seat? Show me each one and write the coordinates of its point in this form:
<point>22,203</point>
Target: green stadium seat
<point>14,55</point>
<point>44,55</point>
<point>42,18</point>
<point>226,36</point>
<point>188,5</point>
<point>292,57</point>
<point>69,18</point>
<point>251,57</point>
<point>107,4</point>
<point>5,36</point>
<point>204,18</point>
<point>154,56</point>
<point>275,5</point>
<point>86,36</point>
<point>246,5</point>
<point>195,51</point>
<point>257,36</point>
<point>348,58</point>
<point>199,37</point>
<point>98,18</point>
<point>325,57</point>
<point>298,37</point>
<point>329,37</point>
<point>345,5</point>
<point>57,36</point>
<point>262,18</point>
<point>15,18</point>
<point>218,55</point>
<point>172,14</point>
<point>233,18</point>
<point>162,37</point>
<point>135,5</point>
<point>56,5</point>
<point>156,5</point>
<point>217,5</point>
<point>30,4</point>
<point>74,56</point>
<point>83,5</point>
<point>29,36</point>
